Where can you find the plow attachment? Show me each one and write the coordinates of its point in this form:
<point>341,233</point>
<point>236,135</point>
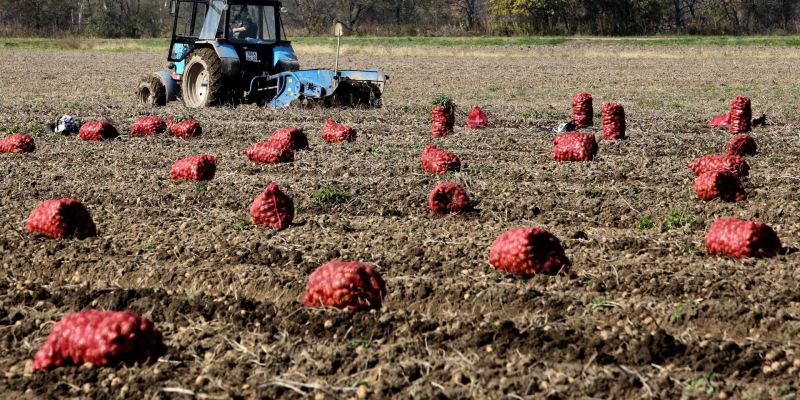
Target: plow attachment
<point>353,88</point>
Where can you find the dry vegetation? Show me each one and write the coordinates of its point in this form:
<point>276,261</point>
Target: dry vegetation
<point>646,313</point>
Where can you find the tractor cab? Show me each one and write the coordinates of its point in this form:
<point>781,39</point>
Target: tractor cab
<point>237,49</point>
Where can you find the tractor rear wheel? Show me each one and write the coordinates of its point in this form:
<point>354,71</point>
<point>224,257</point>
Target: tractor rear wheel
<point>151,91</point>
<point>202,79</point>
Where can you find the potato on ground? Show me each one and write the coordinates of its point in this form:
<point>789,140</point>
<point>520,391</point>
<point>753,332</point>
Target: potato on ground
<point>62,218</point>
<point>345,284</point>
<point>17,143</point>
<point>103,338</point>
<point>716,162</point>
<point>270,152</point>
<point>529,251</point>
<point>147,125</point>
<point>574,146</point>
<point>742,238</point>
<point>273,208</point>
<point>98,130</point>
<point>447,198</point>
<point>197,168</point>
<point>437,161</point>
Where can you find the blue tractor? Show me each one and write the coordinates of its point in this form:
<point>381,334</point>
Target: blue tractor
<point>236,51</point>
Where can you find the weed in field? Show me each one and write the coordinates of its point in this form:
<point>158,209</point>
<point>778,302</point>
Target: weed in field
<point>649,103</point>
<point>644,223</point>
<point>200,186</point>
<point>668,151</point>
<point>158,289</point>
<point>147,244</point>
<point>678,219</point>
<point>774,160</point>
<point>785,390</point>
<point>677,105</point>
<point>526,114</point>
<point>242,226</point>
<point>359,343</point>
<point>701,382</point>
<point>760,196</point>
<point>444,101</point>
<point>598,304</point>
<point>12,129</point>
<point>680,309</point>
<point>87,151</point>
<point>331,195</point>
<point>227,141</point>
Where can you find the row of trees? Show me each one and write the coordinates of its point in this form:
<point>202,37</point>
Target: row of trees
<point>149,18</point>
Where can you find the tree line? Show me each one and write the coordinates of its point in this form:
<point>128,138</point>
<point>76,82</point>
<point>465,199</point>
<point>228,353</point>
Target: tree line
<point>150,18</point>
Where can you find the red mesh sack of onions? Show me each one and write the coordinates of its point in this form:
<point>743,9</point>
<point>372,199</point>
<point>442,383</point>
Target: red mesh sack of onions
<point>574,146</point>
<point>147,125</point>
<point>529,251</point>
<point>103,338</point>
<point>17,143</point>
<point>186,128</point>
<point>742,239</point>
<point>270,152</point>
<point>722,183</point>
<point>741,145</point>
<point>98,130</point>
<point>273,208</point>
<point>333,132</point>
<point>345,284</point>
<point>197,168</point>
<point>613,121</point>
<point>62,218</point>
<point>582,110</point>
<point>447,198</point>
<point>722,120</point>
<point>444,118</point>
<point>740,117</point>
<point>477,119</point>
<point>292,137</point>
<point>437,161</point>
<point>716,162</point>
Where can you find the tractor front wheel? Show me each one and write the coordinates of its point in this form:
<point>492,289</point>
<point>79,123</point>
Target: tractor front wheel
<point>151,92</point>
<point>202,79</point>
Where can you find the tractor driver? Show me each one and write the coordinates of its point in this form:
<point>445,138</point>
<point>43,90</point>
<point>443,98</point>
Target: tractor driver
<point>243,26</point>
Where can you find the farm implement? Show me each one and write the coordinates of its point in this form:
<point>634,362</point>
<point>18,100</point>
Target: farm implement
<point>236,51</point>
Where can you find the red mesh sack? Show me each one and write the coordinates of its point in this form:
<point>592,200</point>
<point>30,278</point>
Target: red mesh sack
<point>333,132</point>
<point>477,119</point>
<point>270,152</point>
<point>741,145</point>
<point>444,118</point>
<point>147,125</point>
<point>716,162</point>
<point>742,239</point>
<point>529,251</point>
<point>197,168</point>
<point>62,218</point>
<point>582,110</point>
<point>722,183</point>
<point>574,146</point>
<point>273,208</point>
<point>741,115</point>
<point>345,284</point>
<point>722,120</point>
<point>292,137</point>
<point>613,121</point>
<point>98,130</point>
<point>103,338</point>
<point>17,143</point>
<point>438,161</point>
<point>448,197</point>
<point>186,128</point>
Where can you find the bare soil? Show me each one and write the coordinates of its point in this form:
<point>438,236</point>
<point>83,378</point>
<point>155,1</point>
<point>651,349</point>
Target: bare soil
<point>645,312</point>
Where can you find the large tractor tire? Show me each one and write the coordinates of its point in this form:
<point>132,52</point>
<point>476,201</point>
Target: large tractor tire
<point>202,79</point>
<point>151,91</point>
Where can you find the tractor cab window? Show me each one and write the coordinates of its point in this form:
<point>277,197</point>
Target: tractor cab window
<point>252,24</point>
<point>190,19</point>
